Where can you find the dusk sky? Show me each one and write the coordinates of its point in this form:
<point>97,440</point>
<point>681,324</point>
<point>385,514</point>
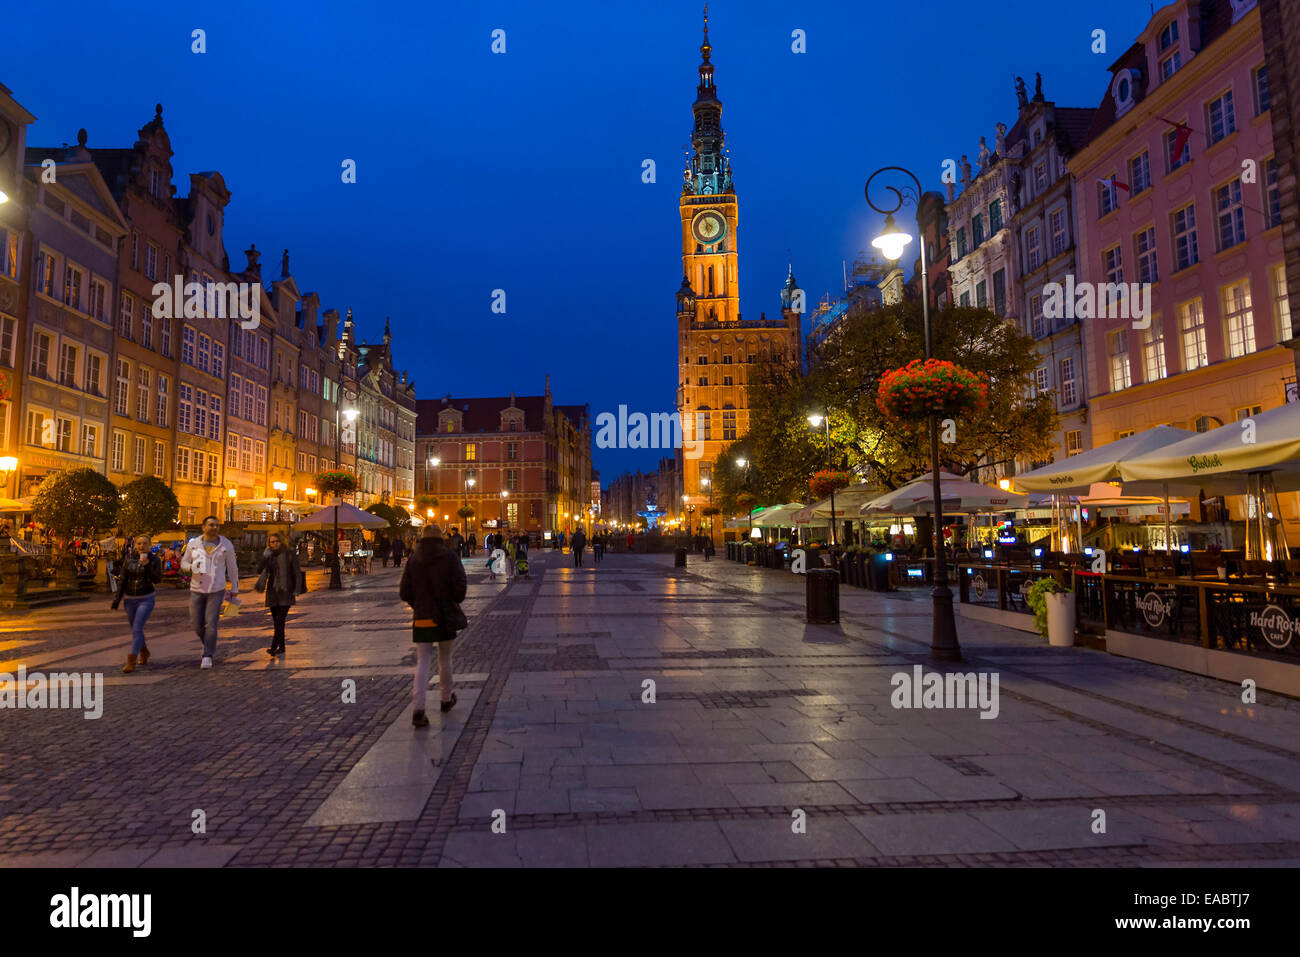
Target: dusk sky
<point>479,171</point>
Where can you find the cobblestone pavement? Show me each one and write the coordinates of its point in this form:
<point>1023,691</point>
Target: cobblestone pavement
<point>554,756</point>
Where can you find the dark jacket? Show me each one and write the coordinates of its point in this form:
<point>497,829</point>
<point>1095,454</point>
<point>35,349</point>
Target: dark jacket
<point>579,541</point>
<point>433,579</point>
<point>136,580</point>
<point>281,588</point>
<point>399,549</point>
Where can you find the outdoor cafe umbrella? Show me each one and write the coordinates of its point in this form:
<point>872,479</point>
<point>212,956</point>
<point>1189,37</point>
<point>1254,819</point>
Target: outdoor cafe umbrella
<point>1079,473</point>
<point>778,516</point>
<point>917,497</point>
<point>1221,460</point>
<point>341,515</point>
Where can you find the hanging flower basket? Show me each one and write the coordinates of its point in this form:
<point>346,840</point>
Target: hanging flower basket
<point>826,481</point>
<point>926,387</point>
<point>746,500</point>
<point>337,482</point>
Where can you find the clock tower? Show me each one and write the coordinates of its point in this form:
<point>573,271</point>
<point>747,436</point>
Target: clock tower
<point>717,350</point>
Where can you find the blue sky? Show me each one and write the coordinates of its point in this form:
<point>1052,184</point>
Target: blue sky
<point>479,171</point>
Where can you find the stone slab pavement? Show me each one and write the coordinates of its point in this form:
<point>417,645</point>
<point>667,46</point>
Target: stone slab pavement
<point>629,714</point>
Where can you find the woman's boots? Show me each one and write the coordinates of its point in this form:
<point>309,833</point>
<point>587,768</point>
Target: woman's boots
<point>130,665</point>
<point>144,655</point>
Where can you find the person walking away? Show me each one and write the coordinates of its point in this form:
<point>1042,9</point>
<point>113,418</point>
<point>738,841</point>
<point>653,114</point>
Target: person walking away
<point>434,585</point>
<point>399,549</point>
<point>708,548</point>
<point>473,543</point>
<point>278,577</point>
<point>597,547</point>
<point>383,548</point>
<point>579,542</point>
<point>210,560</point>
<point>138,574</point>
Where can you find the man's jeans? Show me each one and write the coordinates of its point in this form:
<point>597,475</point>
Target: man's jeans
<point>205,612</point>
<point>138,611</point>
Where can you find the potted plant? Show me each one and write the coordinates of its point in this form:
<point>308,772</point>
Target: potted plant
<point>1053,607</point>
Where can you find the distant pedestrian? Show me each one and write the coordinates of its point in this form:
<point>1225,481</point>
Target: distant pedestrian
<point>597,547</point>
<point>579,542</point>
<point>631,540</point>
<point>708,548</point>
<point>139,573</point>
<point>279,577</point>
<point>210,560</point>
<point>434,585</point>
<point>383,547</point>
<point>473,543</point>
<point>399,549</point>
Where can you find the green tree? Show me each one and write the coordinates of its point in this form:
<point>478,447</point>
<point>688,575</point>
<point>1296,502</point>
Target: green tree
<point>76,500</point>
<point>846,369</point>
<point>148,506</point>
<point>385,511</point>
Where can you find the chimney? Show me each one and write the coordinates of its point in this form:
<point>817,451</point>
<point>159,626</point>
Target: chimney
<point>331,327</point>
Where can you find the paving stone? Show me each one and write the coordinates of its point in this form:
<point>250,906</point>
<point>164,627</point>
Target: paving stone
<point>775,839</point>
<point>657,844</point>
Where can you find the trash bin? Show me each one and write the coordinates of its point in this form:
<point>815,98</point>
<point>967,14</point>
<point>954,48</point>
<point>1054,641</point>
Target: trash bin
<point>679,558</point>
<point>822,591</point>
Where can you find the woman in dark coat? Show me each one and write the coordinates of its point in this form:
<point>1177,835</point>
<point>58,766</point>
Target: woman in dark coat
<point>434,585</point>
<point>137,576</point>
<point>278,576</point>
<point>399,549</point>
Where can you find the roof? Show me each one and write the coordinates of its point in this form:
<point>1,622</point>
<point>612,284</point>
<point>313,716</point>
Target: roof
<point>484,414</point>
<point>1074,122</point>
<point>1215,20</point>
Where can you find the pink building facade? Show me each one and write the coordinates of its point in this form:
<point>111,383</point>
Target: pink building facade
<point>1177,188</point>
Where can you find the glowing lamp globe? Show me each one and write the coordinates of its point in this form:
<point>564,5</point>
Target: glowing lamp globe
<point>892,241</point>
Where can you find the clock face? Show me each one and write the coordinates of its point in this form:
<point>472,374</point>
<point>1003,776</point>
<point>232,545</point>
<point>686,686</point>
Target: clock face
<point>708,227</point>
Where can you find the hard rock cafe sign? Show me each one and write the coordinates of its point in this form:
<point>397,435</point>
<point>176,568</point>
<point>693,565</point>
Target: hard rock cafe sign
<point>1155,608</point>
<point>1275,625</point>
<point>979,586</point>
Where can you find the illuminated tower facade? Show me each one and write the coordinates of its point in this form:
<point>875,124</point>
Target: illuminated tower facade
<point>717,350</point>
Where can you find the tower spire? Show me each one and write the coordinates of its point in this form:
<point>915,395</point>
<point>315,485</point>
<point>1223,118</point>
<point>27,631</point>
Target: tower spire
<point>709,170</point>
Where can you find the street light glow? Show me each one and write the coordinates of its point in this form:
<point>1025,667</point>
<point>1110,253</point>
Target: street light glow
<point>741,462</point>
<point>279,486</point>
<point>892,241</point>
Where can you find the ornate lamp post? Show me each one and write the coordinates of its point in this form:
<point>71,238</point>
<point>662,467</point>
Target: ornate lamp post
<point>230,507</point>
<point>816,420</point>
<point>892,242</point>
<point>280,489</point>
<point>501,515</point>
<point>744,464</point>
<point>469,484</point>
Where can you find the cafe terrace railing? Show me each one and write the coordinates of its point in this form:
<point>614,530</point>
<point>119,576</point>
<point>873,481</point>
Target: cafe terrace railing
<point>1257,618</point>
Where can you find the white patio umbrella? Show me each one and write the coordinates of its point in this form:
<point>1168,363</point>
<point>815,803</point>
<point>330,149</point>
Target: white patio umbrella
<point>1257,457</point>
<point>778,516</point>
<point>341,515</point>
<point>917,497</point>
<point>1079,473</point>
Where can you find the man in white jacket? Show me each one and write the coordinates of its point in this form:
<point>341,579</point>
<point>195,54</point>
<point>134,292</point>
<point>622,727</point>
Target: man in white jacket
<point>210,560</point>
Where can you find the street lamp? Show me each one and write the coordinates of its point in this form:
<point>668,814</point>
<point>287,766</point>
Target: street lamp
<point>744,464</point>
<point>708,483</point>
<point>310,493</point>
<point>501,515</point>
<point>469,484</point>
<point>230,508</point>
<point>8,466</point>
<point>816,420</point>
<point>891,243</point>
<point>280,489</point>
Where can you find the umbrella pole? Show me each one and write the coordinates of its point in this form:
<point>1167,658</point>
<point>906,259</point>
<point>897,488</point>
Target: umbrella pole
<point>336,577</point>
<point>1169,542</point>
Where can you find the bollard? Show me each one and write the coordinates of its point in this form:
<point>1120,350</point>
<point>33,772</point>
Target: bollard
<point>822,593</point>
